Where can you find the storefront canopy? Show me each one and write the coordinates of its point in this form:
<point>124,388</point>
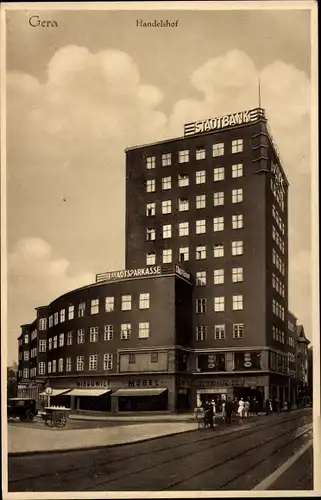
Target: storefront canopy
<point>139,392</point>
<point>55,392</point>
<point>88,392</point>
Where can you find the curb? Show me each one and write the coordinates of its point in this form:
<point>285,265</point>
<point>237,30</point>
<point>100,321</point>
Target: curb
<point>89,448</point>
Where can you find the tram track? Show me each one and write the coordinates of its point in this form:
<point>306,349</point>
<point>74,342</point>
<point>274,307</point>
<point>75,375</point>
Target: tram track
<point>206,442</point>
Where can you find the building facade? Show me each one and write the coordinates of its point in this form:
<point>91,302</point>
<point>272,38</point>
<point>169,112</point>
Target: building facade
<point>208,243</point>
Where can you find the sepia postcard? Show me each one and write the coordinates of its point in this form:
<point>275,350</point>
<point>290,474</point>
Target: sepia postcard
<point>159,250</point>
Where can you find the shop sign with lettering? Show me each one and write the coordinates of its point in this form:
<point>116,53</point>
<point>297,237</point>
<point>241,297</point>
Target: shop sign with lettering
<point>143,383</point>
<point>236,382</point>
<point>129,273</point>
<point>182,273</point>
<point>221,122</point>
<point>93,383</point>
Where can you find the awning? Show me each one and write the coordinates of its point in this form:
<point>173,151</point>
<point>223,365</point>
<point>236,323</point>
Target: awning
<point>55,392</point>
<point>139,392</point>
<point>88,392</point>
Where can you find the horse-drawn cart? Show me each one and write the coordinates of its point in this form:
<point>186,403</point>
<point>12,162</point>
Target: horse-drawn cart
<point>55,416</point>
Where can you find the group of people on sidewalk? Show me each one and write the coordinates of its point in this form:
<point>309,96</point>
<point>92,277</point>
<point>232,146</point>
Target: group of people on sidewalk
<point>240,407</point>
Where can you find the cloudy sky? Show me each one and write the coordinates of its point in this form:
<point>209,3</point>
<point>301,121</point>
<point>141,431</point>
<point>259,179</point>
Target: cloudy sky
<point>77,95</point>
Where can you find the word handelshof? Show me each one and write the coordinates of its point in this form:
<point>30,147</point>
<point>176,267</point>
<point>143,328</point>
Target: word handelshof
<point>220,122</point>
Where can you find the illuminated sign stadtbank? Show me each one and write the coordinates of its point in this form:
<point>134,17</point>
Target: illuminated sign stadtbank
<point>225,121</point>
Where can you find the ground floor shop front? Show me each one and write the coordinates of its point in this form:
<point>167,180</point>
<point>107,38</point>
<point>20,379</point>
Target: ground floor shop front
<point>162,392</point>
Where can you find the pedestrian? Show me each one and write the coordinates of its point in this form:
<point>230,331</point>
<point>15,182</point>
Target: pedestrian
<point>209,415</point>
<point>267,406</point>
<point>229,407</point>
<point>255,406</point>
<point>273,403</point>
<point>247,408</point>
<point>223,410</point>
<point>240,409</point>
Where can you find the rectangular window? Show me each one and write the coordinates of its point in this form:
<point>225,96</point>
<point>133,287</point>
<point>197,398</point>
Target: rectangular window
<point>183,254</point>
<point>55,342</point>
<point>219,174</point>
<point>131,359</point>
<point>108,361</point>
<point>219,332</point>
<point>143,330</point>
<point>69,338</point>
<point>150,185</point>
<point>218,250</point>
<point>200,252</point>
<point>200,177</point>
<point>167,256</point>
<point>56,318</point>
<point>201,201</point>
<point>183,180</point>
<point>49,366</point>
<point>237,274</point>
<point>144,301</point>
<point>50,344</point>
<point>201,226</point>
<point>71,312</point>
<point>61,339</point>
<point>237,170</point>
<point>26,373</point>
<point>218,149</point>
<point>94,306</point>
<point>154,357</point>
<point>183,204</point>
<point>126,302</point>
<point>150,234</point>
<point>237,195</point>
<point>42,368</point>
<point>183,156</point>
<point>201,332</point>
<point>201,278</point>
<point>218,276</point>
<point>43,324</point>
<point>237,302</point>
<point>50,321</point>
<point>238,330</point>
<point>150,209</point>
<point>93,334</point>
<point>62,315</point>
<point>42,345</point>
<point>237,221</point>
<point>218,224</point>
<point>150,259</point>
<point>150,162</point>
<point>54,366</point>
<point>93,362</point>
<point>125,331</point>
<point>183,229</point>
<point>218,198</point>
<point>219,304</point>
<point>109,304</point>
<point>200,154</point>
<point>166,183</point>
<point>167,231</point>
<point>108,332</point>
<point>81,336</point>
<point>68,364</point>
<point>80,363</point>
<point>237,146</point>
<point>167,207</point>
<point>60,365</point>
<point>201,305</point>
<point>237,247</point>
<point>26,355</point>
<point>166,159</point>
<point>81,309</point>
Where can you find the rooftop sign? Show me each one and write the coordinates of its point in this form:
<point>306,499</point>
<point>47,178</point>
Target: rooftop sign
<point>225,121</point>
<point>142,272</point>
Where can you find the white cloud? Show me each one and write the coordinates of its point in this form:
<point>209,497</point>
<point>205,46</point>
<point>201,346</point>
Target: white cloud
<point>66,140</point>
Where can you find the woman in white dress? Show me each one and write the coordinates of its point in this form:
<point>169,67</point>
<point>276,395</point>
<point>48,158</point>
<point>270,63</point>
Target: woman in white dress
<point>241,408</point>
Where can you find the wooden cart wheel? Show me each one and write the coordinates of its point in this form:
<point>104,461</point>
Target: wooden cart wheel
<point>61,420</point>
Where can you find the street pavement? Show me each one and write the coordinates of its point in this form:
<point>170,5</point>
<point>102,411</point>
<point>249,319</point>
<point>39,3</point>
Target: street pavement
<point>233,458</point>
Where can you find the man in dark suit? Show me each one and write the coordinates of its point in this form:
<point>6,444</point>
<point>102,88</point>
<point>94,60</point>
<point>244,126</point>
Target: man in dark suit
<point>229,407</point>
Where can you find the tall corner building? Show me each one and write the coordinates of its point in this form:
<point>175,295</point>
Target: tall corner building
<point>216,200</point>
